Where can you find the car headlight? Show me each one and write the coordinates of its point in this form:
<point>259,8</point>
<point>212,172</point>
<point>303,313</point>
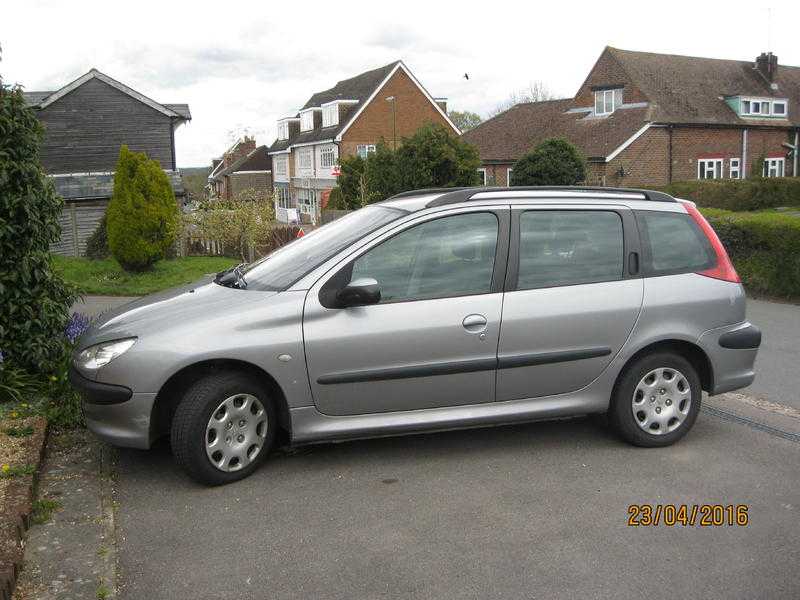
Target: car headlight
<point>100,355</point>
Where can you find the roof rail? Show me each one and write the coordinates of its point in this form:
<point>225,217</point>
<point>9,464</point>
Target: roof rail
<point>455,195</point>
<point>425,191</point>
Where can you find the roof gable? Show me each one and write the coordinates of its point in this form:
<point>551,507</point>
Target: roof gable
<point>44,99</point>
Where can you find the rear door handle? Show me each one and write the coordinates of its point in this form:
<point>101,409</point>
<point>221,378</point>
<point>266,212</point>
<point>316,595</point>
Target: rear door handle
<point>474,323</point>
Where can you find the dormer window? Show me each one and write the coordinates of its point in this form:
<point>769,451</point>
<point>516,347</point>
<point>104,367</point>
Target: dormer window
<point>283,130</point>
<point>607,101</point>
<point>307,120</point>
<point>762,107</point>
<point>330,115</point>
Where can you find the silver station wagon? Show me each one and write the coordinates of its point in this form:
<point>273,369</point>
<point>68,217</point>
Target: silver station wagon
<point>433,310</point>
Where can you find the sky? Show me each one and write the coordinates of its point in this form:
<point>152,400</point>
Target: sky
<point>242,65</point>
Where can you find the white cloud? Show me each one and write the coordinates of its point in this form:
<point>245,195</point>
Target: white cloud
<point>245,64</point>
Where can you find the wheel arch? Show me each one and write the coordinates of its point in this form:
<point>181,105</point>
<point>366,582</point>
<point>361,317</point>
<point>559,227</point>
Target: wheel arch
<point>171,392</point>
<point>688,350</point>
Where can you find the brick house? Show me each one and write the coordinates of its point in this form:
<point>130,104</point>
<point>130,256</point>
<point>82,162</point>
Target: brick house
<point>85,124</point>
<point>243,166</point>
<point>350,118</point>
<point>650,119</point>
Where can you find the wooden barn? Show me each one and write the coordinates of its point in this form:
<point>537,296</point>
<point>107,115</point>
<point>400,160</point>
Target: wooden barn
<point>86,122</point>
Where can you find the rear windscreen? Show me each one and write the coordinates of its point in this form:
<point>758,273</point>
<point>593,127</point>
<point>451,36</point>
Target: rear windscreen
<point>673,243</point>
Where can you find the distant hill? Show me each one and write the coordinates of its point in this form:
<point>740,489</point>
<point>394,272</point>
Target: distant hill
<point>194,180</point>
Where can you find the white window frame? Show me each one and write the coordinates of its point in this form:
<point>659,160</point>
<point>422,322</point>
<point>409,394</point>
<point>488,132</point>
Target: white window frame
<point>763,107</point>
<point>774,167</point>
<point>305,158</point>
<point>735,168</point>
<point>713,165</point>
<point>281,165</point>
<point>327,157</point>
<point>307,120</point>
<point>282,196</point>
<point>330,114</point>
<point>509,170</point>
<point>610,100</point>
<point>482,173</point>
<point>364,150</point>
<point>283,130</point>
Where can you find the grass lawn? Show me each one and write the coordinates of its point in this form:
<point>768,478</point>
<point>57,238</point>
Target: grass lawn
<point>106,277</point>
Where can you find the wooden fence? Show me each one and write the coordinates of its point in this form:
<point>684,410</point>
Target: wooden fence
<point>78,222</point>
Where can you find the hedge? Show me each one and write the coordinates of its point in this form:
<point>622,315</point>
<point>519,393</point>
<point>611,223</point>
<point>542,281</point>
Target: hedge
<point>756,193</point>
<point>764,247</point>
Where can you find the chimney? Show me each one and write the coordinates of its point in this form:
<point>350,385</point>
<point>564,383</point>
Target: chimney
<point>442,102</point>
<point>767,65</point>
<point>242,148</point>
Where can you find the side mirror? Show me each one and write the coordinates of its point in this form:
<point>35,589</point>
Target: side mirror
<point>359,293</point>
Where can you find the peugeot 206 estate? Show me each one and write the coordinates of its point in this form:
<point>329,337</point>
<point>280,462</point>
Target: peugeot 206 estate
<point>435,309</point>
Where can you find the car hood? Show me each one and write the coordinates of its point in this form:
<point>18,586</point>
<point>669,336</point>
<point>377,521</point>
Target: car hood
<point>162,310</point>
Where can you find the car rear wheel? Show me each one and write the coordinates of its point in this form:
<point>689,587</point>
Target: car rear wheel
<point>223,428</point>
<point>656,400</point>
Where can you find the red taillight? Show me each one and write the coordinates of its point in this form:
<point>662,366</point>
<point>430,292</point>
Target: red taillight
<point>724,268</point>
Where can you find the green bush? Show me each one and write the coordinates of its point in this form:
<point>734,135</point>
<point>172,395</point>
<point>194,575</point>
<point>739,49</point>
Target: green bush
<point>34,300</point>
<point>553,162</point>
<point>756,193</point>
<point>764,247</point>
<point>142,216</point>
<point>97,244</point>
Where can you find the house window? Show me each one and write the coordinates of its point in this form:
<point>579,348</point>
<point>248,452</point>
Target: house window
<point>307,120</point>
<point>327,157</point>
<point>304,158</point>
<point>307,201</point>
<point>482,176</point>
<point>735,168</point>
<point>282,195</point>
<point>763,107</point>
<point>774,167</point>
<point>508,175</point>
<point>364,149</point>
<point>280,166</point>
<point>283,130</point>
<point>330,115</point>
<point>607,101</point>
<point>709,168</point>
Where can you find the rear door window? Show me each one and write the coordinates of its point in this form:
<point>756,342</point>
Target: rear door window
<point>569,247</point>
<point>673,243</point>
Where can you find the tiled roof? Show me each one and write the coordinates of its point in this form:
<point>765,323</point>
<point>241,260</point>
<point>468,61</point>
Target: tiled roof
<point>518,130</point>
<point>181,109</point>
<point>688,89</point>
<point>358,88</point>
<point>257,160</point>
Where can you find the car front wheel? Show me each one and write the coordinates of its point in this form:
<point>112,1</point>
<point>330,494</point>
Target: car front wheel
<point>223,428</point>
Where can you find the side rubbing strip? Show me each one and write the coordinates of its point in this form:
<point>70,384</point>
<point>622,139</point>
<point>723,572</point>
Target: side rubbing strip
<point>463,366</point>
<point>423,370</point>
<point>543,358</point>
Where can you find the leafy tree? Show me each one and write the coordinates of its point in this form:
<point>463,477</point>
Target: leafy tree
<point>465,120</point>
<point>433,157</point>
<point>34,300</point>
<point>382,172</point>
<point>553,162</point>
<point>97,244</point>
<point>142,215</point>
<point>351,183</point>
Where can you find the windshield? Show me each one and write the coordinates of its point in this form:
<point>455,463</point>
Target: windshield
<point>280,269</point>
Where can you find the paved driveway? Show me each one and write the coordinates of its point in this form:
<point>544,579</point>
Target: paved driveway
<point>529,511</point>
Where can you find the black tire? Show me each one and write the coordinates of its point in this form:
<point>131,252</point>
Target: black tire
<point>188,431</point>
<point>621,415</point>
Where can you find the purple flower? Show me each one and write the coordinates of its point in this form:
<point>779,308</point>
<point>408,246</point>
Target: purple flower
<point>2,358</point>
<point>78,323</point>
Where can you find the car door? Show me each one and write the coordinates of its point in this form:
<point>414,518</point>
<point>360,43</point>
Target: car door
<point>431,341</point>
<point>573,295</point>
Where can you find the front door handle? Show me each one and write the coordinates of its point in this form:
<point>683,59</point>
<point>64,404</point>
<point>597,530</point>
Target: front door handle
<point>474,323</point>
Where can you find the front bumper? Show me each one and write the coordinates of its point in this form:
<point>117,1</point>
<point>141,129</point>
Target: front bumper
<point>732,351</point>
<point>114,413</point>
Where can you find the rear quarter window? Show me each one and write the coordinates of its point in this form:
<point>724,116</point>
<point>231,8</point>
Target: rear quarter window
<point>672,243</point>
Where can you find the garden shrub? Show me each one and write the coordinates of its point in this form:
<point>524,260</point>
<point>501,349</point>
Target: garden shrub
<point>755,193</point>
<point>764,247</point>
<point>97,244</point>
<point>142,216</point>
<point>553,162</point>
<point>34,300</point>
